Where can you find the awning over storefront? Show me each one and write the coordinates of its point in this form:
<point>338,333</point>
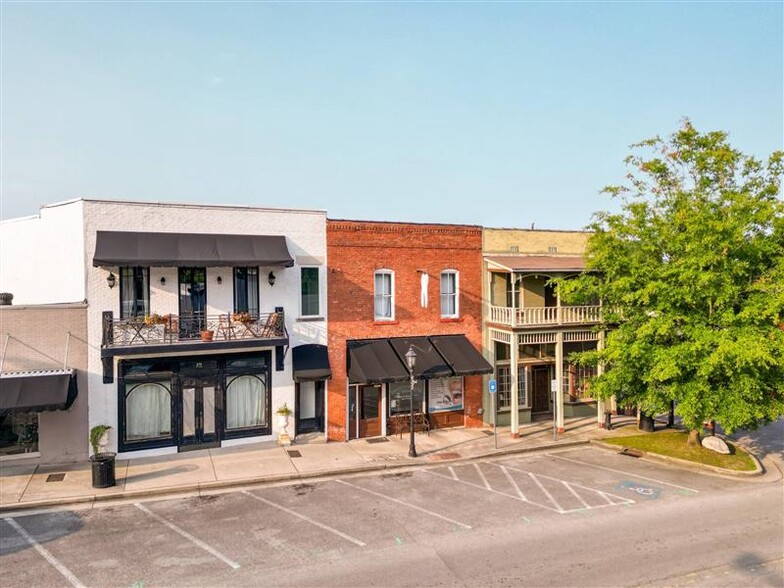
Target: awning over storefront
<point>190,249</point>
<point>375,361</point>
<point>540,263</point>
<point>463,358</point>
<point>37,391</point>
<point>429,362</point>
<point>311,362</point>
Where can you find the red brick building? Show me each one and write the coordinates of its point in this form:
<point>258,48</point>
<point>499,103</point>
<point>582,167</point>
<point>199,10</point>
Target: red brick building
<point>392,286</point>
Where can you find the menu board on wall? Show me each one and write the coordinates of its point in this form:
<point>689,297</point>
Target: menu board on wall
<point>445,394</point>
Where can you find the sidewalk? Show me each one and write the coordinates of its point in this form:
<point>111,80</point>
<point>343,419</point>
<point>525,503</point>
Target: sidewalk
<point>31,486</point>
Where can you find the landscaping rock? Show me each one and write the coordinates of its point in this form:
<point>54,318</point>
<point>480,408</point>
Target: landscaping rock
<point>716,444</point>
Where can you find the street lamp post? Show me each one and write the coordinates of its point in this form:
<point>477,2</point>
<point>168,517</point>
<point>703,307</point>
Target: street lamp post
<point>411,361</point>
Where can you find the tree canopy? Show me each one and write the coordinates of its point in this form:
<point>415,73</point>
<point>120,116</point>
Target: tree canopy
<point>690,273</point>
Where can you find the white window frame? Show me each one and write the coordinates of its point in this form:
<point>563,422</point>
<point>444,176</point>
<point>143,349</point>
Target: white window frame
<point>455,294</point>
<point>318,281</point>
<point>391,295</point>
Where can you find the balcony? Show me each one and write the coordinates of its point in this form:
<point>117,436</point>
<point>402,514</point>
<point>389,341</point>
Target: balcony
<point>161,334</point>
<point>545,315</point>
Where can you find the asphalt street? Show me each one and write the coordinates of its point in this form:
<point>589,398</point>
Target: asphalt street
<point>578,517</point>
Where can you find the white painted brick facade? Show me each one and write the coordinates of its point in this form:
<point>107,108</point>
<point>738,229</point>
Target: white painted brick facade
<point>49,259</point>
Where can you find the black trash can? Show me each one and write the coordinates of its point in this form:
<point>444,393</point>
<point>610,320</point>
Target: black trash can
<point>103,470</point>
<point>646,423</point>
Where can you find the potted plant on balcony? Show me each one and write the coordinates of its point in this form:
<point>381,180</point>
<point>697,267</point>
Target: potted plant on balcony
<point>283,412</point>
<point>102,460</point>
<point>207,334</point>
<point>242,317</point>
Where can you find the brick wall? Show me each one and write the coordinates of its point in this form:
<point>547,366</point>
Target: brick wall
<point>355,250</point>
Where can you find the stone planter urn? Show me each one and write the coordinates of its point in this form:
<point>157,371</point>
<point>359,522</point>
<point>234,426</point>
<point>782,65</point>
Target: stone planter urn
<point>282,417</point>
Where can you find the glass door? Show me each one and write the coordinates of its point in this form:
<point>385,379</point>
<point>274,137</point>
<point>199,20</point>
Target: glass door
<point>193,301</point>
<point>199,410</point>
<point>369,411</point>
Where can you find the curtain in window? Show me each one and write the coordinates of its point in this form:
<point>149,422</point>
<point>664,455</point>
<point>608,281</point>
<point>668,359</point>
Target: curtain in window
<point>134,292</point>
<point>383,295</point>
<point>246,290</point>
<point>448,294</point>
<point>253,291</point>
<point>147,411</point>
<point>246,403</point>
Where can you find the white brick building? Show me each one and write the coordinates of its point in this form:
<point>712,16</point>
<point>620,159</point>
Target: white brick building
<point>153,277</point>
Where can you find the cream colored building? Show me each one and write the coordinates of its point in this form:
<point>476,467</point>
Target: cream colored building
<point>529,334</point>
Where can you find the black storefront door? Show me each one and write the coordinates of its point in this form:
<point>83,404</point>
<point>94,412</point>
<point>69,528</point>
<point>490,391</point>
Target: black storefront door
<point>199,413</point>
<point>310,407</point>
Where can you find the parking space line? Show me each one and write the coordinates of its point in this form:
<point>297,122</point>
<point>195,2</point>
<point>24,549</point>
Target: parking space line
<point>482,476</point>
<point>577,496</point>
<point>513,483</point>
<point>504,494</point>
<point>454,474</point>
<point>409,505</point>
<point>45,554</point>
<point>307,519</point>
<point>198,542</point>
<point>546,493</point>
<point>622,472</point>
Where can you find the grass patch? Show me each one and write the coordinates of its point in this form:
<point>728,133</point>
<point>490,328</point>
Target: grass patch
<point>673,444</point>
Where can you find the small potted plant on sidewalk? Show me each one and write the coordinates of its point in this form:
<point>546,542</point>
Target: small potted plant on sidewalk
<point>102,460</point>
<point>283,412</point>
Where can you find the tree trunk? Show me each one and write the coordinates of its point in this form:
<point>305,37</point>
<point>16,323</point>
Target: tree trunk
<point>694,437</point>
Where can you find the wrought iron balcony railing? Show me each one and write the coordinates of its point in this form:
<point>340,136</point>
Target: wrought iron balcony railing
<point>170,328</point>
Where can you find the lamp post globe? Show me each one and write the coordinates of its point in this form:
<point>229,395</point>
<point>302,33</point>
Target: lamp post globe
<point>411,357</point>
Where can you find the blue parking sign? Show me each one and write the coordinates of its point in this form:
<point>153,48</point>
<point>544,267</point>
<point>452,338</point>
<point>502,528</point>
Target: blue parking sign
<point>491,386</point>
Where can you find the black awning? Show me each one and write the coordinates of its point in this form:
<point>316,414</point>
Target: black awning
<point>463,357</point>
<point>311,362</point>
<point>429,362</point>
<point>37,391</point>
<point>373,361</point>
<point>190,249</point>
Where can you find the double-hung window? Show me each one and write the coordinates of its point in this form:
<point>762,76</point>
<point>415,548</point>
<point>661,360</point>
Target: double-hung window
<point>134,292</point>
<point>449,294</point>
<point>246,290</point>
<point>384,295</point>
<point>309,304</point>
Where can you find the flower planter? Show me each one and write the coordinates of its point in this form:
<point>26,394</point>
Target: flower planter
<point>207,335</point>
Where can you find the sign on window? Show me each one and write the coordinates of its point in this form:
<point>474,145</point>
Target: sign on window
<point>446,394</point>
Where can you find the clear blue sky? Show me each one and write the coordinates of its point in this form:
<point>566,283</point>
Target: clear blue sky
<point>497,114</point>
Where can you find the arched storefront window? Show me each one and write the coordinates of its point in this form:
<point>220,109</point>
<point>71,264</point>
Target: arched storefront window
<point>148,411</point>
<point>246,403</point>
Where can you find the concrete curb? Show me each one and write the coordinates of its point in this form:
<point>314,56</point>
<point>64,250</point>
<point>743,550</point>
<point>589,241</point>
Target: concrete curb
<point>201,488</point>
<point>684,463</point>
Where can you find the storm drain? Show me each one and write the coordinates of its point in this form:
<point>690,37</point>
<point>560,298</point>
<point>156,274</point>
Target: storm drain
<point>631,452</point>
<point>55,477</point>
<point>294,453</point>
<point>487,432</point>
<point>378,440</point>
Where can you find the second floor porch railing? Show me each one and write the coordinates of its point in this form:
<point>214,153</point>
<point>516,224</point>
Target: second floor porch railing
<point>172,328</point>
<point>545,315</point>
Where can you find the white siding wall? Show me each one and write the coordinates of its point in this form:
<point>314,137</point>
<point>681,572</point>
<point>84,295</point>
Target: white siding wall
<point>305,233</point>
<point>41,257</point>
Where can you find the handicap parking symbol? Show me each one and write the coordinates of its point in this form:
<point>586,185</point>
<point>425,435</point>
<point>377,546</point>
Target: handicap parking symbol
<point>638,489</point>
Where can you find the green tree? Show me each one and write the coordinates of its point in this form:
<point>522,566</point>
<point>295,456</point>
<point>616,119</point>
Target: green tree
<point>690,273</point>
